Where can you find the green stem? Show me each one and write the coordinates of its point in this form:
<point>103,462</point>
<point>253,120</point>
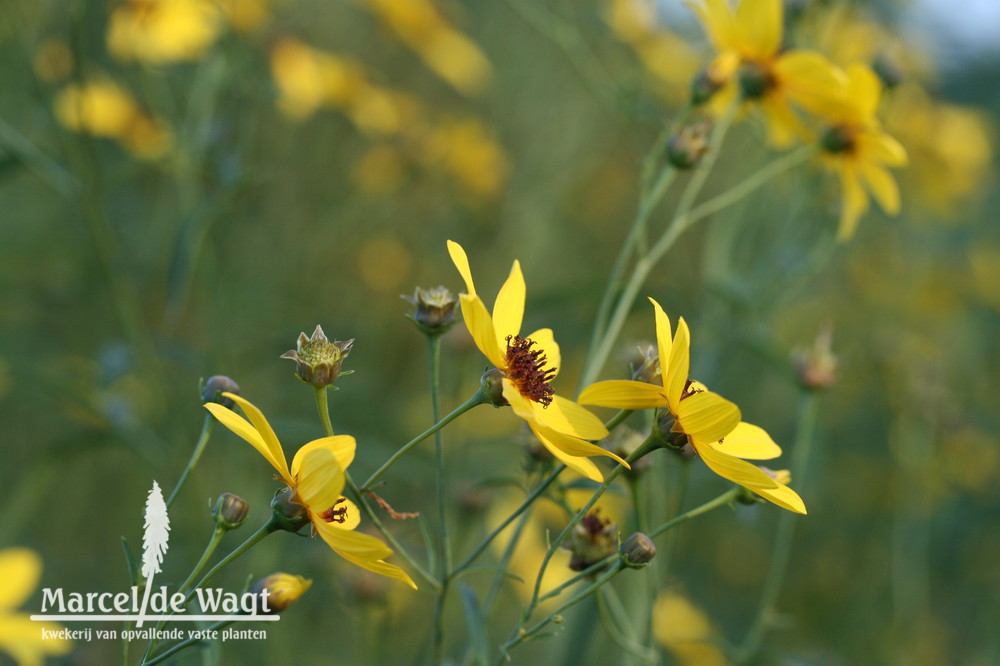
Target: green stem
<point>323,407</point>
<point>174,649</point>
<point>724,499</point>
<point>478,399</point>
<point>618,419</point>
<point>638,508</point>
<point>508,553</point>
<point>213,543</point>
<point>444,548</point>
<point>46,168</point>
<point>267,528</point>
<point>199,448</point>
<point>804,436</point>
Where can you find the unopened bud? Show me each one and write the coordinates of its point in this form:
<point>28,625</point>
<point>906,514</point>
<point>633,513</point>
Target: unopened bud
<point>278,591</point>
<point>755,80</point>
<point>816,367</point>
<point>435,311</point>
<point>637,550</point>
<point>491,384</point>
<point>289,514</point>
<point>317,360</point>
<point>646,365</point>
<point>230,511</point>
<point>215,386</point>
<point>664,430</point>
<point>704,86</point>
<point>689,143</point>
<point>591,540</point>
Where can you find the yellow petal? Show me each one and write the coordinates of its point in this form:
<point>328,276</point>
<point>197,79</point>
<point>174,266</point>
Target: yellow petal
<point>243,429</point>
<point>783,125</point>
<point>355,544</point>
<point>734,469</point>
<point>882,186</point>
<point>380,567</point>
<point>520,405</point>
<point>676,375</point>
<point>461,261</point>
<point>748,441</point>
<point>480,326</point>
<point>664,339</point>
<point>21,638</point>
<point>881,147</point>
<point>341,446</point>
<point>20,569</point>
<point>574,446</point>
<point>717,19</point>
<point>509,307</point>
<point>759,23</point>
<point>581,466</point>
<point>569,418</point>
<point>784,497</point>
<point>545,340</point>
<point>854,203</point>
<point>864,89</point>
<point>351,515</point>
<point>623,394</point>
<point>320,480</point>
<point>707,416</point>
<point>812,81</point>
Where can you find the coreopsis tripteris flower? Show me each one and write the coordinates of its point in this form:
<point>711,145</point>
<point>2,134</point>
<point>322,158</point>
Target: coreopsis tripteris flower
<point>707,420</point>
<point>751,61</point>
<point>20,637</point>
<point>859,151</point>
<point>528,365</point>
<point>315,479</point>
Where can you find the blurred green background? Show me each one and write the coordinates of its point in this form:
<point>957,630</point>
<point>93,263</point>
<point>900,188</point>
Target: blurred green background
<point>179,200</point>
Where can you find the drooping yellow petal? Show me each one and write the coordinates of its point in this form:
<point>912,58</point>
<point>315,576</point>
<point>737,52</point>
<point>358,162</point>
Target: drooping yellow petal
<point>784,497</point>
<point>480,326</point>
<point>707,416</point>
<point>812,81</point>
<point>509,307</point>
<point>853,204</point>
<point>759,23</point>
<point>580,465</point>
<point>20,569</point>
<point>362,550</point>
<point>351,515</point>
<point>461,261</point>
<point>734,469</point>
<point>545,340</point>
<point>320,480</point>
<point>882,186</point>
<point>624,394</point>
<point>242,428</point>
<point>567,417</point>
<point>748,441</point>
<point>664,339</point>
<point>380,567</point>
<point>881,147</point>
<point>575,446</point>
<point>676,375</point>
<point>341,446</point>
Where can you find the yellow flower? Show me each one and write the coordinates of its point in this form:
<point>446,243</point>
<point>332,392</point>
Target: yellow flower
<point>283,590</point>
<point>20,637</point>
<point>750,59</point>
<point>316,479</point>
<point>858,150</point>
<point>708,421</point>
<point>686,631</point>
<point>528,365</point>
<point>163,31</point>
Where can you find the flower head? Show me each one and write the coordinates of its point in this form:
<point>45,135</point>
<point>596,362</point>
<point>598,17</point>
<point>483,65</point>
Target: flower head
<point>315,481</point>
<point>528,365</point>
<point>751,62</point>
<point>435,309</point>
<point>163,31</point>
<point>21,637</point>
<point>709,422</point>
<point>283,590</point>
<point>317,360</point>
<point>859,151</point>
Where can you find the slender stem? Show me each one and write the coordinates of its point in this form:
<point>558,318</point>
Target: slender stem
<point>619,625</point>
<point>670,549</point>
<point>638,507</point>
<point>213,543</point>
<point>508,552</point>
<point>174,649</point>
<point>589,572</point>
<point>323,407</point>
<point>724,499</point>
<point>478,399</point>
<point>267,528</point>
<point>539,489</point>
<point>804,436</point>
<point>199,448</point>
<point>46,168</point>
<point>444,547</point>
<point>618,419</point>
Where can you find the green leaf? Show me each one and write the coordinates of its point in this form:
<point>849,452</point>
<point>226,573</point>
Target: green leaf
<point>478,643</point>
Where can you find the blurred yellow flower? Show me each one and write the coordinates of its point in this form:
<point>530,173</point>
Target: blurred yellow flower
<point>447,52</point>
<point>316,479</point>
<point>246,15</point>
<point>707,420</point>
<point>21,638</point>
<point>163,31</point>
<point>684,630</point>
<point>529,365</point>
<point>466,150</point>
<point>858,150</point>
<point>751,63</point>
<point>102,108</point>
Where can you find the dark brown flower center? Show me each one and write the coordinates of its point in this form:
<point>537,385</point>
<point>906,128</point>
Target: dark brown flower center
<point>335,514</point>
<point>690,388</point>
<point>524,368</point>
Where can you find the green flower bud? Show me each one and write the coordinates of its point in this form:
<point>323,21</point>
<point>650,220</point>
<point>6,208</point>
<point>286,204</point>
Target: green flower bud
<point>317,360</point>
<point>637,550</point>
<point>230,511</point>
<point>689,143</point>
<point>435,312</point>
<point>491,384</point>
<point>289,514</point>
<point>592,540</point>
<point>215,386</point>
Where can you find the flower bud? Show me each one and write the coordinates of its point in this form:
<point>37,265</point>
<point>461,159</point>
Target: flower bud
<point>887,70</point>
<point>591,540</point>
<point>289,514</point>
<point>491,384</point>
<point>230,511</point>
<point>215,386</point>
<point>435,312</point>
<point>755,80</point>
<point>663,429</point>
<point>704,86</point>
<point>317,360</point>
<point>816,367</point>
<point>278,591</point>
<point>689,143</point>
<point>637,550</point>
<point>646,365</point>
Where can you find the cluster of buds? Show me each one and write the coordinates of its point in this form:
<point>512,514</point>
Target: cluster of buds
<point>317,360</point>
<point>592,540</point>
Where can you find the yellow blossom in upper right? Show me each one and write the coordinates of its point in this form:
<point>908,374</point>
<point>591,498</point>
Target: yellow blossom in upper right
<point>858,150</point>
<point>751,62</point>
